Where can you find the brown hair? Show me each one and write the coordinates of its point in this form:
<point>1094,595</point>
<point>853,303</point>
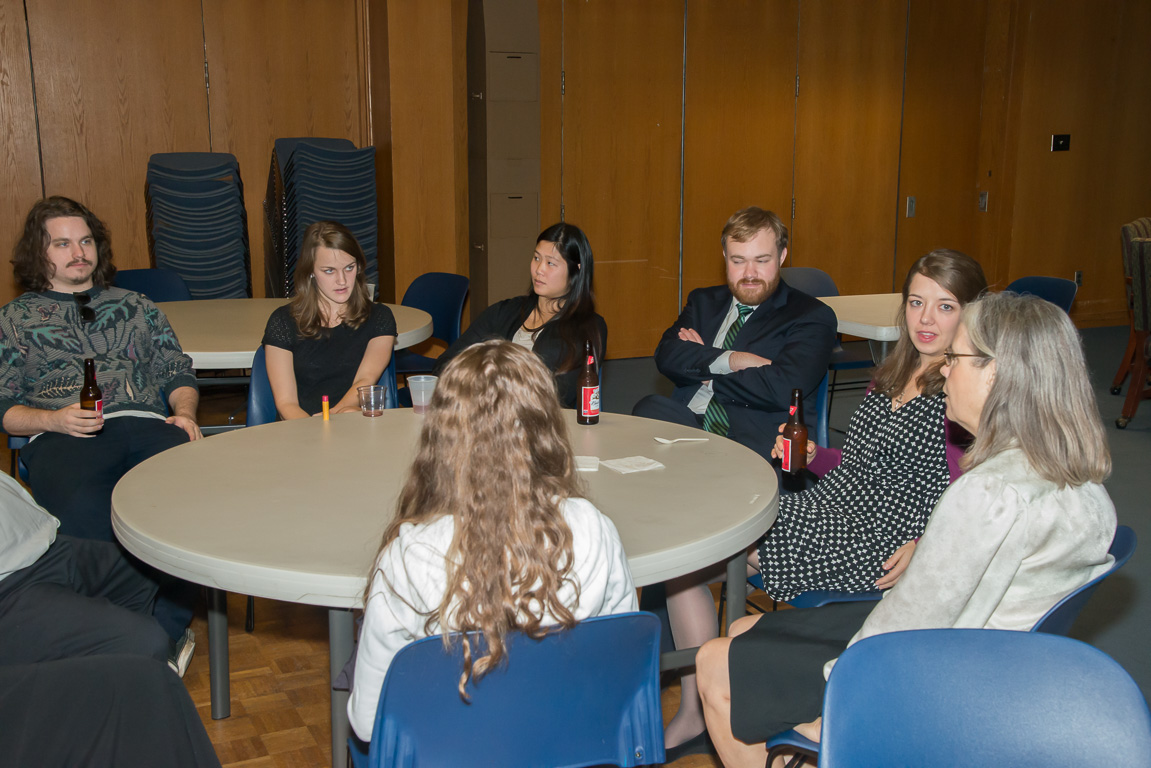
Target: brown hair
<point>1041,399</point>
<point>749,222</point>
<point>962,277</point>
<point>305,306</point>
<point>494,454</point>
<point>34,272</point>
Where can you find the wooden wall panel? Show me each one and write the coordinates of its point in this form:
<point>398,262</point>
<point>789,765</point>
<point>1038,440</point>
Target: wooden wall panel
<point>379,112</point>
<point>939,152</point>
<point>19,143</point>
<point>739,125</point>
<point>277,69</point>
<point>621,180</point>
<point>551,109</point>
<point>427,54</point>
<point>847,139</point>
<point>1004,41</point>
<point>1085,72</point>
<point>115,82</point>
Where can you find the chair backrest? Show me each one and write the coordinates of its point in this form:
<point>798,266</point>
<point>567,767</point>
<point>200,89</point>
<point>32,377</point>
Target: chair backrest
<point>156,284</point>
<point>441,295</point>
<point>585,696</point>
<point>1137,272</point>
<point>1059,619</point>
<point>262,404</point>
<point>821,407</point>
<point>810,280</point>
<point>1058,290</point>
<point>981,697</point>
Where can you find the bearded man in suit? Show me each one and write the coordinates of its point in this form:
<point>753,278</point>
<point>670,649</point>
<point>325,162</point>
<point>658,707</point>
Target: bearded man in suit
<point>738,350</point>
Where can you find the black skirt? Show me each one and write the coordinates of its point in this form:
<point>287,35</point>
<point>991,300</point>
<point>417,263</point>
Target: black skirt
<point>776,667</point>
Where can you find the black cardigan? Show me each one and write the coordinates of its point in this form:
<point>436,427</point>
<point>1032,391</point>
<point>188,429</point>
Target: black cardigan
<point>501,321</point>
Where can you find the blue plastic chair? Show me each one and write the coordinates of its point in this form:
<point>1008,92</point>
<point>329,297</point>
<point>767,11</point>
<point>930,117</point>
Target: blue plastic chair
<point>816,282</point>
<point>1056,621</point>
<point>262,405</point>
<point>981,697</point>
<point>1059,619</point>
<point>441,295</point>
<point>1058,290</point>
<point>156,284</point>
<point>586,696</point>
<point>14,445</point>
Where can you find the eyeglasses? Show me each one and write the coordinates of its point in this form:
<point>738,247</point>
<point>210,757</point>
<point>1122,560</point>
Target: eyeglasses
<point>87,314</point>
<point>950,357</point>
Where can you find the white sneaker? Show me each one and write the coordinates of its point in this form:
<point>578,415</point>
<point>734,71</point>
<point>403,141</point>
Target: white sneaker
<point>181,655</point>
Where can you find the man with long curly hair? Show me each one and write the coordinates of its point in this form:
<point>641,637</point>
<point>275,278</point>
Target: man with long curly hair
<point>70,312</point>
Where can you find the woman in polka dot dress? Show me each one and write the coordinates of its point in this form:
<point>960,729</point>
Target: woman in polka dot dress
<point>855,530</point>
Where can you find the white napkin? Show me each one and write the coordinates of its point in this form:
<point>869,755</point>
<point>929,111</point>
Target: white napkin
<point>587,463</point>
<point>632,464</point>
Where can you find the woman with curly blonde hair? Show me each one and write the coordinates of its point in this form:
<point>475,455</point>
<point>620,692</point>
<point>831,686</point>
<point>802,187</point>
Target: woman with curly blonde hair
<point>491,531</point>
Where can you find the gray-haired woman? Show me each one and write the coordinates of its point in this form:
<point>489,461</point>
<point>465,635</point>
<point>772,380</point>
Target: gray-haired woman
<point>1026,525</point>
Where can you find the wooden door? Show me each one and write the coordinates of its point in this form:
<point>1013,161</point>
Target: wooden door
<point>739,122</point>
<point>280,69</point>
<point>939,156</point>
<point>109,95</point>
<point>19,144</point>
<point>847,140</point>
<point>622,112</point>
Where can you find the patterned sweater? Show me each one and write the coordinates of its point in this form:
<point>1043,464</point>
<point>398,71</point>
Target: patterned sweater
<point>43,343</point>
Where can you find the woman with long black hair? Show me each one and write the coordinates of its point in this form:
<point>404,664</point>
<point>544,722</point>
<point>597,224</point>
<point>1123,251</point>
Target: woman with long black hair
<point>556,316</point>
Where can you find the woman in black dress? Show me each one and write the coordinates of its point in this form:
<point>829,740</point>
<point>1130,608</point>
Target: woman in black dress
<point>556,316</point>
<point>331,339</point>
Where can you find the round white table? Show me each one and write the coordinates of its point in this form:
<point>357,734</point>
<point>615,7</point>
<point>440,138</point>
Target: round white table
<point>224,333</point>
<point>872,316</point>
<point>295,511</point>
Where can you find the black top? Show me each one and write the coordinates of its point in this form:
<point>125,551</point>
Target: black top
<point>501,321</point>
<point>326,365</point>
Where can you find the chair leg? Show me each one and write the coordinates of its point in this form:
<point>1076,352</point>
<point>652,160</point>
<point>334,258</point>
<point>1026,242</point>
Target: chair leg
<point>831,393</point>
<point>1125,365</point>
<point>250,618</point>
<point>1137,387</point>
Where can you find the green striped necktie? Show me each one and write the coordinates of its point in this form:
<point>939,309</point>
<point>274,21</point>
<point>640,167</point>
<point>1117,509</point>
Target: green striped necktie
<point>715,418</point>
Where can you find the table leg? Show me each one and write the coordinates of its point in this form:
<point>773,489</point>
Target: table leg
<point>341,636</point>
<point>736,607</point>
<point>218,654</point>
<point>736,589</point>
<point>879,350</point>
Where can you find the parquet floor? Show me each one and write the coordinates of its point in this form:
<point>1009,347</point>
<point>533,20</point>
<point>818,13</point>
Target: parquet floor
<point>279,673</point>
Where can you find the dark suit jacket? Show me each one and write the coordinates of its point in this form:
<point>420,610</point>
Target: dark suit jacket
<point>793,330</point>
<point>501,321</point>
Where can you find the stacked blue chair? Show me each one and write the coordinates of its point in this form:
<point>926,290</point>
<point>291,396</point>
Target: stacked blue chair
<point>310,180</point>
<point>197,225</point>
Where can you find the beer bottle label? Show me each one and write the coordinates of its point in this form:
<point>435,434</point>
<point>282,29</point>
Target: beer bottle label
<point>99,409</point>
<point>785,460</point>
<point>791,410</point>
<point>589,401</point>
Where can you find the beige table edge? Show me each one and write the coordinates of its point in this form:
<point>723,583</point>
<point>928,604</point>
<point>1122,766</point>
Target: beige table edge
<point>869,316</point>
<point>232,344</point>
<point>743,492</point>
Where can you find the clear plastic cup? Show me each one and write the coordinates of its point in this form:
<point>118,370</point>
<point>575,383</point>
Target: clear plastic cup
<point>371,400</point>
<point>421,388</point>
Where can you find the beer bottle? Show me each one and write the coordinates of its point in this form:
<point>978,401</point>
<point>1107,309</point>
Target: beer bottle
<point>795,436</point>
<point>588,410</point>
<point>91,398</point>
